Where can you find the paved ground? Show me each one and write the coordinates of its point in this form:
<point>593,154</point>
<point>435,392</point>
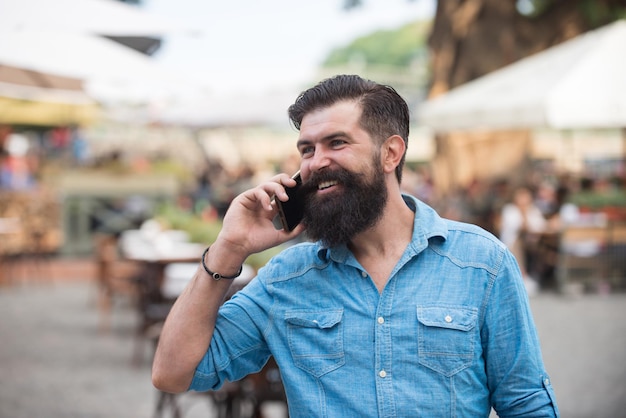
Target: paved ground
<point>54,362</point>
<point>584,347</point>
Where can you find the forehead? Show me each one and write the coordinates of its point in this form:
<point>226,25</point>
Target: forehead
<point>343,115</point>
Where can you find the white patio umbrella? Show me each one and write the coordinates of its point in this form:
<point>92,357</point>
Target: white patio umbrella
<point>580,83</point>
<point>111,72</point>
<point>99,17</point>
<point>67,37</point>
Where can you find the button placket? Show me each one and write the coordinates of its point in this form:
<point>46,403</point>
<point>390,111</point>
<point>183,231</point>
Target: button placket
<point>384,349</point>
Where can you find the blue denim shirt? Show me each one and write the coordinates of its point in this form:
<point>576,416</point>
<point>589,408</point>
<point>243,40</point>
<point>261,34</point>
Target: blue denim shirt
<point>451,334</point>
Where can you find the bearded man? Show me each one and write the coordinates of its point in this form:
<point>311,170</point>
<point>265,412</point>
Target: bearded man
<point>389,311</point>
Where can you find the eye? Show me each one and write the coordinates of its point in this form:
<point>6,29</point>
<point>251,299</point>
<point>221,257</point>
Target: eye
<point>336,143</point>
<point>307,151</point>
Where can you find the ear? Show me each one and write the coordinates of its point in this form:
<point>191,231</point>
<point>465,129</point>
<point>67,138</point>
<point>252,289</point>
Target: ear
<point>391,153</point>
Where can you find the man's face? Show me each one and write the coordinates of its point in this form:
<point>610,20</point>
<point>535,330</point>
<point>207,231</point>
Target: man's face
<point>335,218</point>
<point>344,186</point>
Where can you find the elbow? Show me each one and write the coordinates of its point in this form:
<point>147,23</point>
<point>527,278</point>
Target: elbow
<point>168,383</point>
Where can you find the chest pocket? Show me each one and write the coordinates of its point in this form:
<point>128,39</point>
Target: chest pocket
<point>446,337</point>
<point>316,340</point>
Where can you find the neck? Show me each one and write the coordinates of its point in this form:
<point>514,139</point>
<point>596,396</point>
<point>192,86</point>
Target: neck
<point>391,234</point>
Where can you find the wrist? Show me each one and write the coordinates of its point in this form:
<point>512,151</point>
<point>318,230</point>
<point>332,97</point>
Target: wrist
<point>218,274</point>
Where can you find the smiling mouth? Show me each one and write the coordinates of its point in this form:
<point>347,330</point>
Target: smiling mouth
<point>326,184</point>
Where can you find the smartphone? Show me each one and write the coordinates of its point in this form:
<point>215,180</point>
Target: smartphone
<point>290,212</point>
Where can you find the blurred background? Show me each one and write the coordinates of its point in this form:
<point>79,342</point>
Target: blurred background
<point>127,127</point>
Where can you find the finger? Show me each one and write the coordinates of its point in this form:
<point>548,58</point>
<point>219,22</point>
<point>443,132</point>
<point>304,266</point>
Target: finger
<point>268,192</point>
<point>264,193</point>
<point>287,183</point>
<point>259,197</point>
<point>276,187</point>
<point>286,180</point>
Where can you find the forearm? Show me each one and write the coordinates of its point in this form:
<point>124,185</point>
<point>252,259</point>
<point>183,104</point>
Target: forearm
<point>247,228</point>
<point>188,330</point>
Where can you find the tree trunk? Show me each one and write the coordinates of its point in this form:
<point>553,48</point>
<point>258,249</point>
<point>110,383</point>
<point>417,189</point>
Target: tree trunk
<point>471,38</point>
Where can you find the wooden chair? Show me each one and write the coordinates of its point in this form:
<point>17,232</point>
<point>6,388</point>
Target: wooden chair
<point>242,399</point>
<point>582,260</point>
<point>115,277</point>
<point>616,254</point>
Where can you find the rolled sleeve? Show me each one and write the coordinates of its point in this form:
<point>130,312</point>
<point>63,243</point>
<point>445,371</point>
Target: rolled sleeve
<point>519,384</point>
<point>238,347</point>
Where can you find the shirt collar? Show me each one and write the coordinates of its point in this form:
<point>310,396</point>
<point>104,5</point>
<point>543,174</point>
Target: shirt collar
<point>427,224</point>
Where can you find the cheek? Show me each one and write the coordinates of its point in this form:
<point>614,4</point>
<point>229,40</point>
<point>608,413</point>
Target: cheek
<point>305,171</point>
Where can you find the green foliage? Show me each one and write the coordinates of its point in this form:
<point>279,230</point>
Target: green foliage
<point>600,13</point>
<point>171,167</point>
<point>204,232</point>
<point>172,217</point>
<point>258,260</point>
<point>595,200</point>
<point>397,48</point>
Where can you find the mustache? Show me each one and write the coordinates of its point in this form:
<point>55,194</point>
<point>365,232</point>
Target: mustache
<point>339,175</point>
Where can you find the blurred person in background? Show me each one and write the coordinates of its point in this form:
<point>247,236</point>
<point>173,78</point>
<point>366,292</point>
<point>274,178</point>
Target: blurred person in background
<point>521,226</point>
<point>547,200</point>
<point>428,316</point>
<point>17,164</point>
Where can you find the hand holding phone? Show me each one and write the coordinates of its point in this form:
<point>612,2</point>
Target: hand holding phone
<point>290,212</point>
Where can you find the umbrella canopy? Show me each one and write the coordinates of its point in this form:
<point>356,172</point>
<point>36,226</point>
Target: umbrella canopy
<point>577,84</point>
<point>126,24</point>
<point>111,72</point>
<point>97,17</point>
<point>74,38</point>
<point>30,97</point>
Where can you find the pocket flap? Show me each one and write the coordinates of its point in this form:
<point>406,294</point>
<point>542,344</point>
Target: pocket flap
<point>314,319</point>
<point>452,317</point>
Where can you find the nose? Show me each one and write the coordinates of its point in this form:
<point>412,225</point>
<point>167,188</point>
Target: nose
<point>319,160</point>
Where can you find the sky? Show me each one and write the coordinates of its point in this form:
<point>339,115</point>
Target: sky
<point>263,45</point>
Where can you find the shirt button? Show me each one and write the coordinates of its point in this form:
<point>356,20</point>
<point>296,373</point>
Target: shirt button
<point>382,373</point>
<point>381,320</point>
<point>363,274</point>
<point>547,382</point>
<point>448,318</point>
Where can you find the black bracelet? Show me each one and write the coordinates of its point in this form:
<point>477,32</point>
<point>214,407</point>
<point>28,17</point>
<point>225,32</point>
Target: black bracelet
<point>217,276</point>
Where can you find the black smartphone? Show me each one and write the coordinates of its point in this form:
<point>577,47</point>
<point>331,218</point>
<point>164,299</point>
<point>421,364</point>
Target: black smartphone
<point>290,212</point>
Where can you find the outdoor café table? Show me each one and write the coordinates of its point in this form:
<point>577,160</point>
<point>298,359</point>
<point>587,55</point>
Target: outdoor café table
<point>155,250</point>
<point>155,267</point>
<point>153,261</point>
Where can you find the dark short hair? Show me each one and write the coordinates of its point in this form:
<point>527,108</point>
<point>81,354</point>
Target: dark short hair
<point>384,111</point>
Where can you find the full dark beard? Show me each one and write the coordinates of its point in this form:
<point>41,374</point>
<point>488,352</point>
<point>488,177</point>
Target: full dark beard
<point>336,218</point>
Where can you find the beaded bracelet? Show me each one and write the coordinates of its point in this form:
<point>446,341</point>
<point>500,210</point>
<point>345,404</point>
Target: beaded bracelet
<point>217,276</point>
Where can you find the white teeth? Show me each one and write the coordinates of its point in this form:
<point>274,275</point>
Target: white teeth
<point>326,184</point>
